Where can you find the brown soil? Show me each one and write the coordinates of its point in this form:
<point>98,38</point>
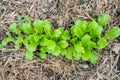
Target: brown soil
<point>13,65</point>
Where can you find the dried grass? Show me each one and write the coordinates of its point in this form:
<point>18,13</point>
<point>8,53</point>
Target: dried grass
<point>13,65</point>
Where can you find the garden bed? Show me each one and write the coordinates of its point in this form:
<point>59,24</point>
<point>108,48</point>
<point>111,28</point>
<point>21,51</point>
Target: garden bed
<point>13,65</point>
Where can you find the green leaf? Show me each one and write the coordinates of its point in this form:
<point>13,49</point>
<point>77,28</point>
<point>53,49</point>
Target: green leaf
<point>43,55</point>
<point>38,26</point>
<point>31,47</point>
<point>43,41</point>
<point>63,44</point>
<point>76,55</point>
<point>87,43</point>
<point>102,43</point>
<point>47,29</point>
<point>19,18</point>
<point>72,29</point>
<point>94,58</point>
<point>43,49</point>
<point>81,24</point>
<point>57,33</point>
<point>61,29</point>
<point>51,44</point>
<point>65,35</point>
<point>8,34</point>
<point>86,55</point>
<point>63,52</point>
<point>1,46</point>
<point>18,41</point>
<point>29,55</point>
<point>17,44</point>
<point>74,40</point>
<point>26,18</point>
<point>113,33</point>
<point>92,45</point>
<point>56,51</point>
<point>36,37</point>
<point>31,39</point>
<point>13,27</point>
<point>103,19</point>
<point>25,41</point>
<point>19,21</point>
<point>69,53</point>
<point>76,31</point>
<point>92,26</point>
<point>26,28</point>
<point>79,48</point>
<point>19,24</point>
<point>85,40</point>
<point>5,41</point>
<point>46,22</point>
<point>97,32</point>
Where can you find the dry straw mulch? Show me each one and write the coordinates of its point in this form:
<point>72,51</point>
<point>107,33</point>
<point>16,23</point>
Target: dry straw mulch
<point>13,65</point>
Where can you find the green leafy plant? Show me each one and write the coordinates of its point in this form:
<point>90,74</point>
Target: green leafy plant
<point>81,41</point>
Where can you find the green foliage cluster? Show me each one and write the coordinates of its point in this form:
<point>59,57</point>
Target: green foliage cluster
<point>80,42</point>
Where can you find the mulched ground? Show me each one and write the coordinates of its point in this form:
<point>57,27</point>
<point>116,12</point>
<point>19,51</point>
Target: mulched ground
<point>13,65</point>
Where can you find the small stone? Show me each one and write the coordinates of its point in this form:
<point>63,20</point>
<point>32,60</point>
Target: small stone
<point>85,66</point>
<point>116,48</point>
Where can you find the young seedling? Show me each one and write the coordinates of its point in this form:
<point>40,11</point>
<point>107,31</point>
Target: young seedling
<point>80,42</point>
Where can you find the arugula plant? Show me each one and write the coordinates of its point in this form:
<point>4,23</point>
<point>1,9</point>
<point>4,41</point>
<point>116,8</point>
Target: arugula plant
<point>80,42</point>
